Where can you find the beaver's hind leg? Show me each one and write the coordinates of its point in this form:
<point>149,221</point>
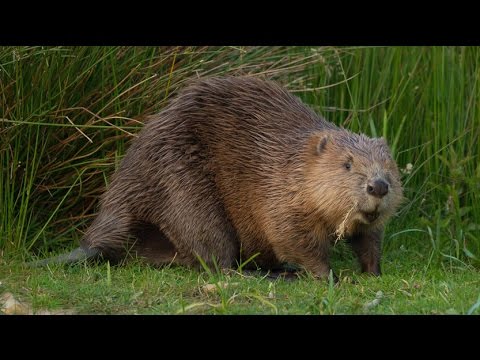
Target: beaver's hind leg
<point>193,218</point>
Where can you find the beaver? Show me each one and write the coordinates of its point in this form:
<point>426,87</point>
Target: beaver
<point>238,168</point>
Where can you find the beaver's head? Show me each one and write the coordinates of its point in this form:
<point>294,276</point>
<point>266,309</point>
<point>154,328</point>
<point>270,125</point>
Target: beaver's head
<point>353,179</point>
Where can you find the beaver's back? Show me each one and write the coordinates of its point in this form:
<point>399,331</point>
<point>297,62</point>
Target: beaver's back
<point>239,131</point>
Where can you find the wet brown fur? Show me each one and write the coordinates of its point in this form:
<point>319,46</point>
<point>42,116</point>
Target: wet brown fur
<point>237,166</point>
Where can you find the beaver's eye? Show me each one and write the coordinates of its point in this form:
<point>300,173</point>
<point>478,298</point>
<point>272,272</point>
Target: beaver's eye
<point>348,165</point>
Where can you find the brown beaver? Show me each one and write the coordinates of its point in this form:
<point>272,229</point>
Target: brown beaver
<point>237,166</point>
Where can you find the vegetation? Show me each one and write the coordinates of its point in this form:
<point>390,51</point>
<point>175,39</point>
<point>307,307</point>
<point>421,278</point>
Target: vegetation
<point>67,114</point>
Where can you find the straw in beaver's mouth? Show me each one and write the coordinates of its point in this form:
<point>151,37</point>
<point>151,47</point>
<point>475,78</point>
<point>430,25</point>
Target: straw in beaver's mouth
<point>342,228</point>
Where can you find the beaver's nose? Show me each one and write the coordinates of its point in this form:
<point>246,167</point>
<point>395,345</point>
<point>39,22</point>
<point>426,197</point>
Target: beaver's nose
<point>378,188</point>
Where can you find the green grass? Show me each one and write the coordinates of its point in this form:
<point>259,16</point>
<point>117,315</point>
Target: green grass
<point>67,115</point>
<point>409,286</point>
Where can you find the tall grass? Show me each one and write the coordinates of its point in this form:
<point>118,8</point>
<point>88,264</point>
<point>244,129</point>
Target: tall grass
<point>68,113</point>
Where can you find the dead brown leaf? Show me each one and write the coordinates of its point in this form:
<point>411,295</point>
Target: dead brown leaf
<point>211,288</point>
<point>11,306</point>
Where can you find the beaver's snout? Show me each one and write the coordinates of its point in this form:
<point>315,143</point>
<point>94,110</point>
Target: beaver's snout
<point>377,188</point>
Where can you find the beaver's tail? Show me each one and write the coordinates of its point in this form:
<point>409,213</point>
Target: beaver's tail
<point>75,256</point>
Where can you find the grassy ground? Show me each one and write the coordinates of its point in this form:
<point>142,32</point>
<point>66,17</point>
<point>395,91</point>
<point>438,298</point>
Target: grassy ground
<point>411,284</point>
<point>67,115</point>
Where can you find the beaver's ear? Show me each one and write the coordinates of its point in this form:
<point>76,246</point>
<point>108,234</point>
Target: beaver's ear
<point>322,143</point>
